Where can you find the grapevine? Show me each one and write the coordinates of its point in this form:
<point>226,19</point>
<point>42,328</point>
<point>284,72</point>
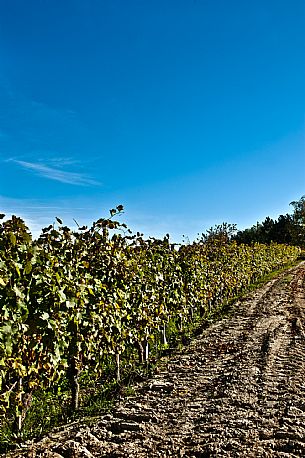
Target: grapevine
<point>71,299</point>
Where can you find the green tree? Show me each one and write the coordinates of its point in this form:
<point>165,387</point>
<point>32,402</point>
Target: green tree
<point>288,229</point>
<point>298,232</point>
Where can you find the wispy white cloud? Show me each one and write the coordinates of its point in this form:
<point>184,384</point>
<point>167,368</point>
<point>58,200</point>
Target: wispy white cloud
<point>60,161</point>
<point>57,174</point>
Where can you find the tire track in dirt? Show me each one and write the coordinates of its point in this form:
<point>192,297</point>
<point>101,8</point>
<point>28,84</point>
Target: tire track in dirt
<point>238,390</point>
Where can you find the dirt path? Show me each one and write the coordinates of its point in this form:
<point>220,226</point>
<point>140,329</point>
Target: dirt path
<point>238,390</point>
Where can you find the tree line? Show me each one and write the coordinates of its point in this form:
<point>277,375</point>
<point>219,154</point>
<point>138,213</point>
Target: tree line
<point>288,229</point>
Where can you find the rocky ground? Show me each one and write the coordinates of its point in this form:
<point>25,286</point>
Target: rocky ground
<point>238,390</point>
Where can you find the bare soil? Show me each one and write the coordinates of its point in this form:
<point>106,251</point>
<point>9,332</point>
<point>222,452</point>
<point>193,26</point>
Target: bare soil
<point>237,390</point>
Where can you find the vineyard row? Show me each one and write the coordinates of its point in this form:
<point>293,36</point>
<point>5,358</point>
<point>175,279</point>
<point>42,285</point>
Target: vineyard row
<point>72,299</point>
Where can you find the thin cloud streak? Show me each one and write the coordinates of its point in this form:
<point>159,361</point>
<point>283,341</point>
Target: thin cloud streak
<point>58,175</point>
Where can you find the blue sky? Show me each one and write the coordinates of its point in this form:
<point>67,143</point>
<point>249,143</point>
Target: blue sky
<point>187,112</point>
